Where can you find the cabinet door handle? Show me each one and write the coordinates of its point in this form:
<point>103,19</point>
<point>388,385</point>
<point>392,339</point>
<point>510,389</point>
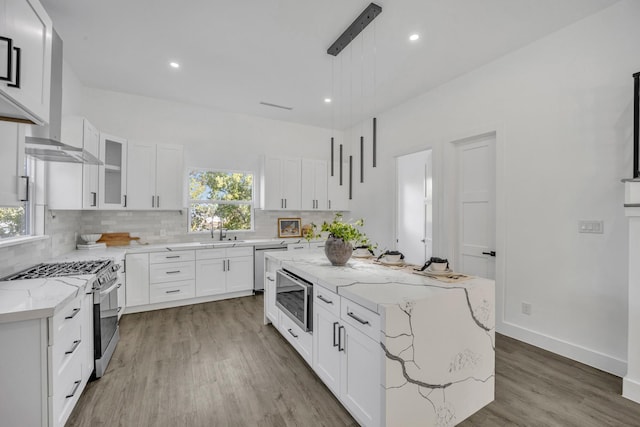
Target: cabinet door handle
<point>335,344</point>
<point>224,265</point>
<point>173,272</point>
<point>94,198</point>
<point>174,291</point>
<point>490,253</point>
<point>119,310</point>
<point>153,201</point>
<point>270,279</point>
<point>285,203</point>
<point>157,201</point>
<point>281,203</point>
<point>292,334</point>
<point>340,346</point>
<point>353,316</point>
<point>73,313</point>
<point>26,188</point>
<point>124,203</point>
<point>228,265</point>
<point>329,204</point>
<point>324,300</point>
<point>76,343</point>
<point>76,384</point>
<point>9,76</point>
<point>18,62</point>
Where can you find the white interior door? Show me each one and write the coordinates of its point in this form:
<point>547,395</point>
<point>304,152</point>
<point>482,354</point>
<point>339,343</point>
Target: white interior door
<point>415,206</point>
<point>476,206</point>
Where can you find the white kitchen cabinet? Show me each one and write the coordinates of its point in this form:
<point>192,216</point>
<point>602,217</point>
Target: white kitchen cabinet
<point>171,276</point>
<point>314,185</point>
<point>122,287</point>
<point>347,360</point>
<point>87,335</point>
<point>224,270</point>
<point>300,340</point>
<point>305,245</point>
<point>137,268</point>
<point>73,185</point>
<point>27,36</point>
<point>113,172</point>
<point>271,311</point>
<point>154,176</point>
<point>13,183</point>
<point>281,183</point>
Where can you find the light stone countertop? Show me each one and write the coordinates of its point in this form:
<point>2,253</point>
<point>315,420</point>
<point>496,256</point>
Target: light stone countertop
<point>39,298</point>
<point>371,285</point>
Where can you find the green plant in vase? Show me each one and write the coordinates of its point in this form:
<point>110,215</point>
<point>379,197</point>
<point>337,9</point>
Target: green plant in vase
<point>342,238</point>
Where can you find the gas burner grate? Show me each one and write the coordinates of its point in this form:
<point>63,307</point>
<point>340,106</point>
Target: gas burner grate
<point>58,269</point>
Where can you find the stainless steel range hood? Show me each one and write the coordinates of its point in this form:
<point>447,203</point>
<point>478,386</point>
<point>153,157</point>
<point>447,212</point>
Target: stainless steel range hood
<point>44,142</point>
<point>51,150</point>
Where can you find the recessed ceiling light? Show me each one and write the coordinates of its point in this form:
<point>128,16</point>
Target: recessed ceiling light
<point>327,100</point>
<point>414,37</point>
<point>174,65</point>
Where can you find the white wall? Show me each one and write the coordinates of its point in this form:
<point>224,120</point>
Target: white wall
<point>562,110</point>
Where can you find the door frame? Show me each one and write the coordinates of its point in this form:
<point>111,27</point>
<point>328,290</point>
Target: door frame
<point>449,192</point>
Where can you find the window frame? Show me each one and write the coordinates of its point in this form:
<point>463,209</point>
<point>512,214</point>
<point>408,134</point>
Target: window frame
<point>251,203</point>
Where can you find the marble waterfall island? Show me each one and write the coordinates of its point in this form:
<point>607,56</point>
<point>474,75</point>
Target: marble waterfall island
<point>436,340</point>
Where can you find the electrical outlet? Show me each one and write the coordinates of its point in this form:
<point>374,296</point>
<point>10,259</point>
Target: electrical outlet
<point>526,308</point>
<point>593,227</point>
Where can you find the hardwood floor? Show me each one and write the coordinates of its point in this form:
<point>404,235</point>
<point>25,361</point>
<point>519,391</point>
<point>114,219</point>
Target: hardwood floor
<point>215,364</point>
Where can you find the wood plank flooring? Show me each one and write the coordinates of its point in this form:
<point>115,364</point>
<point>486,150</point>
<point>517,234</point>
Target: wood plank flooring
<point>215,364</point>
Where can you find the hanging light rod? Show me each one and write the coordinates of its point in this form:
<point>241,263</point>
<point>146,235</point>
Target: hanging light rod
<point>365,18</point>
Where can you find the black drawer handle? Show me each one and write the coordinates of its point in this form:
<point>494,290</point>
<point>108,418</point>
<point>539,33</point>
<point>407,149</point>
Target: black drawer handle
<point>119,310</point>
<point>73,313</point>
<point>173,272</point>
<point>353,316</point>
<point>340,346</point>
<point>172,256</point>
<point>335,344</point>
<point>26,188</point>
<point>75,388</point>
<point>18,62</point>
<point>9,76</point>
<point>292,334</point>
<point>76,343</point>
<point>175,291</point>
<point>491,253</point>
<point>324,300</point>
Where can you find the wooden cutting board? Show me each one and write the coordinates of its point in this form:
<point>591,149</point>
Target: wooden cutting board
<point>117,239</point>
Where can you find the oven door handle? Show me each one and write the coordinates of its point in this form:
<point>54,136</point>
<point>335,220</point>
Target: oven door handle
<point>109,289</point>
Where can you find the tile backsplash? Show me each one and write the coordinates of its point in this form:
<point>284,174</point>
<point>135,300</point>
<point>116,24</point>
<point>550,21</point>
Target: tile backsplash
<point>65,227</point>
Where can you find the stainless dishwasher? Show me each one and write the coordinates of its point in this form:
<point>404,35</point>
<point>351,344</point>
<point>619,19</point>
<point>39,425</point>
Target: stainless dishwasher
<point>258,263</point>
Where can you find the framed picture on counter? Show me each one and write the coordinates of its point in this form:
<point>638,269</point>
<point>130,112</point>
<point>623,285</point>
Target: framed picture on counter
<point>289,227</point>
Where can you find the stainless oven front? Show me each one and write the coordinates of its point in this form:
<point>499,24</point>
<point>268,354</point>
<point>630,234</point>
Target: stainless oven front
<point>294,296</point>
<point>105,323</point>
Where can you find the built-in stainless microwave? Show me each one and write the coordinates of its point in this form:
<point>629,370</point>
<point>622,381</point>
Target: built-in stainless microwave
<point>294,296</point>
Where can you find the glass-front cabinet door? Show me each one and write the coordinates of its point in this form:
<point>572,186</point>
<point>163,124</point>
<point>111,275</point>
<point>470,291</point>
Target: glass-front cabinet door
<point>113,178</point>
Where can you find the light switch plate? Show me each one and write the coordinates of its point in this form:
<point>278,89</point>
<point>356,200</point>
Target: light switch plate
<point>593,227</point>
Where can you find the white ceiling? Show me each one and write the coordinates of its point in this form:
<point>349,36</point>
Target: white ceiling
<point>234,54</point>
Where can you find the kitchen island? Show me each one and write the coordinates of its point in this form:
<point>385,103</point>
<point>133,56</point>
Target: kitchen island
<point>427,345</point>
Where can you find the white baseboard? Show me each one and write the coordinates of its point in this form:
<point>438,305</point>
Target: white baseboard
<point>598,360</point>
<point>631,389</point>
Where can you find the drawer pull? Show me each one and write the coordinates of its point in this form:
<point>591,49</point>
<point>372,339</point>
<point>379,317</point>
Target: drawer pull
<point>73,313</point>
<point>335,344</point>
<point>270,279</point>
<point>340,346</point>
<point>174,291</point>
<point>353,316</point>
<point>119,310</point>
<point>173,256</point>
<point>173,272</point>
<point>292,334</point>
<point>76,343</point>
<point>298,247</point>
<point>324,300</point>
<point>75,388</point>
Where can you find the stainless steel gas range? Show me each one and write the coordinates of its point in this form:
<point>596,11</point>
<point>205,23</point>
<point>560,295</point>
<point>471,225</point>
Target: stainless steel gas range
<point>105,300</point>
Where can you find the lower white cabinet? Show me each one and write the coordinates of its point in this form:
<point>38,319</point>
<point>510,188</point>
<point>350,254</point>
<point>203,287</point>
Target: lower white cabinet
<point>45,365</point>
<point>137,272</point>
<point>348,361</point>
<point>271,312</point>
<point>224,270</point>
<point>300,340</point>
<point>171,276</point>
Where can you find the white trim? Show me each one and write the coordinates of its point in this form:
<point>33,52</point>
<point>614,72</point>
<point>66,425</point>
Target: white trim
<point>631,389</point>
<point>604,362</point>
<point>21,240</point>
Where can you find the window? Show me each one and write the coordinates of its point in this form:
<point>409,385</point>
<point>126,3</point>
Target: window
<point>220,199</point>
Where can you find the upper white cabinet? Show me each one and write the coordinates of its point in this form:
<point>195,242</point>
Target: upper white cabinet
<point>314,185</point>
<point>113,173</point>
<point>338,195</point>
<point>155,176</point>
<point>74,185</point>
<point>13,182</point>
<point>25,61</point>
<point>280,184</point>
